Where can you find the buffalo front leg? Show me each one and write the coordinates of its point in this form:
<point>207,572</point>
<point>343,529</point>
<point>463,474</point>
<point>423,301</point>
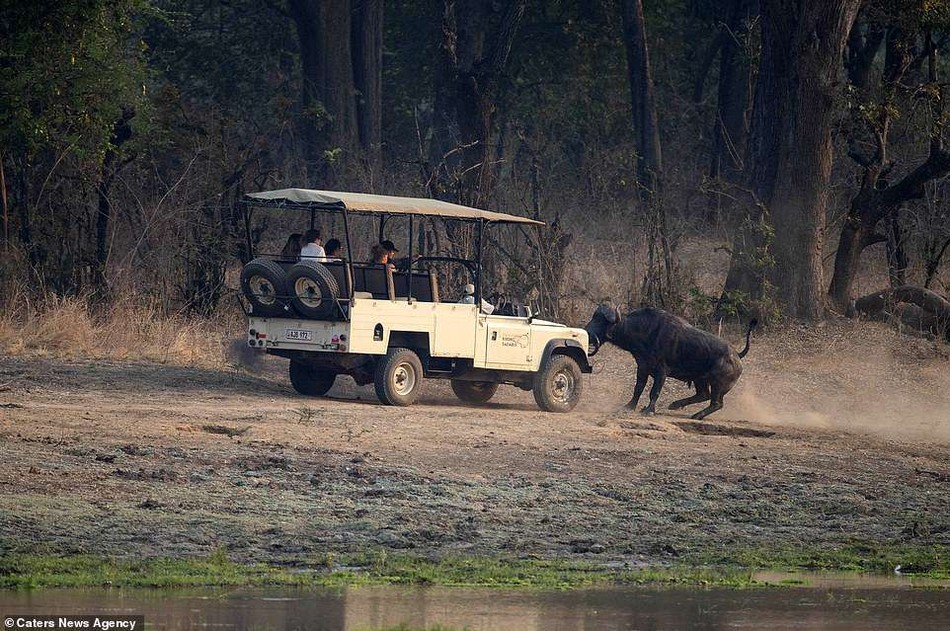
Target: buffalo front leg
<point>659,378</point>
<point>642,375</point>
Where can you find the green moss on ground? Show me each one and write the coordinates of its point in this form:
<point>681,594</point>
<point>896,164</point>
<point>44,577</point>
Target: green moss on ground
<point>379,567</point>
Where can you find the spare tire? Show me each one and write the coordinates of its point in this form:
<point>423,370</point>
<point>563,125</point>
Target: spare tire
<point>313,290</point>
<point>263,284</point>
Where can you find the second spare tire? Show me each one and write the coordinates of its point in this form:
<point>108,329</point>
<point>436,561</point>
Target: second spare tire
<point>313,289</point>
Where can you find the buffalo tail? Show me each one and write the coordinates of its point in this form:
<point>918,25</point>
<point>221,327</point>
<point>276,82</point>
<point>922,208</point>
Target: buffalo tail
<point>748,338</point>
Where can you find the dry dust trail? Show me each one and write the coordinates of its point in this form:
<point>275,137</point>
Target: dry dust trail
<point>859,378</point>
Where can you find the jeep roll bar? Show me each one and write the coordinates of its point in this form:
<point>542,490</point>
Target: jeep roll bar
<point>385,205</point>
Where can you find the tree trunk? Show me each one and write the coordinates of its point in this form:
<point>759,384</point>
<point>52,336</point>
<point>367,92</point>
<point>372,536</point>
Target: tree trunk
<point>642,99</point>
<point>864,41</point>
<point>367,40</point>
<point>933,263</point>
<point>471,60</point>
<point>897,258</point>
<point>658,283</point>
<point>856,235</point>
<point>121,132</point>
<point>791,150</point>
<point>329,106</point>
<point>735,93</point>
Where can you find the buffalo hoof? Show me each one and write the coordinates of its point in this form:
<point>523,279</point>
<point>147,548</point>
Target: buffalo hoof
<point>648,411</point>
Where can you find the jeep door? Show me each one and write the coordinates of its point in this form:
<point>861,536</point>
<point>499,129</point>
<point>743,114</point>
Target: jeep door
<point>508,342</point>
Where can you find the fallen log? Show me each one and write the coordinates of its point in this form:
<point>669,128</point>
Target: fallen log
<point>920,308</point>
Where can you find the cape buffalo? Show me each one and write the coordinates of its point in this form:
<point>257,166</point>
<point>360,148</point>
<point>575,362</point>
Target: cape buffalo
<point>665,345</point>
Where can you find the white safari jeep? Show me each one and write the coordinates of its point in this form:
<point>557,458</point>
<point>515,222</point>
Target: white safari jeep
<point>392,327</point>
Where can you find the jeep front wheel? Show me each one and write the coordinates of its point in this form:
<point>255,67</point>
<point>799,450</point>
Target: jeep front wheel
<point>310,381</point>
<point>558,385</point>
<point>474,391</point>
<point>398,377</point>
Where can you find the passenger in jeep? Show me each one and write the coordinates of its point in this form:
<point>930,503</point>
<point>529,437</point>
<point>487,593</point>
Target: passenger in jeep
<point>379,255</point>
<point>291,251</point>
<point>333,250</point>
<point>312,248</point>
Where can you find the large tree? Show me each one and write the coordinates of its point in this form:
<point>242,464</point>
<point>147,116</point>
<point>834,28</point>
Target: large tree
<point>642,99</point>
<point>477,37</point>
<point>790,152</point>
<point>881,195</point>
<point>734,93</point>
<point>659,278</point>
<point>341,59</point>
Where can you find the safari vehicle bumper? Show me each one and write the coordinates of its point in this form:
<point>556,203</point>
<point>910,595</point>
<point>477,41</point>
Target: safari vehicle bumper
<point>294,334</point>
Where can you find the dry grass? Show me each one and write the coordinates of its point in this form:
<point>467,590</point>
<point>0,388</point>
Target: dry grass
<point>133,327</point>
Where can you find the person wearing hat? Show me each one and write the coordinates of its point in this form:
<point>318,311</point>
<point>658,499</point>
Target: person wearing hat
<point>389,246</point>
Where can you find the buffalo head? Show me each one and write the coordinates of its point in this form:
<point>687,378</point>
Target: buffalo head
<point>605,317</point>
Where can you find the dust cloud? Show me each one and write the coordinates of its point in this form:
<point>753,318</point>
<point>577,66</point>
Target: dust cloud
<point>857,378</point>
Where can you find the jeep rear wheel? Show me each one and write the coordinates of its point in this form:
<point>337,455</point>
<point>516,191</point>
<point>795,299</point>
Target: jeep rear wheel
<point>558,385</point>
<point>474,391</point>
<point>311,381</point>
<point>262,282</point>
<point>398,377</point>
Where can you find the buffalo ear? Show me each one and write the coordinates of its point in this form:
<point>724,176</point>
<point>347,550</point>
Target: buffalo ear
<point>614,315</point>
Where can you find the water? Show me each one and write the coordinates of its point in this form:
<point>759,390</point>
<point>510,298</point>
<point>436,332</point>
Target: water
<point>823,603</point>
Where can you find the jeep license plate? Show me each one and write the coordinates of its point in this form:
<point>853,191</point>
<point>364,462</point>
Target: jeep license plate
<point>299,335</point>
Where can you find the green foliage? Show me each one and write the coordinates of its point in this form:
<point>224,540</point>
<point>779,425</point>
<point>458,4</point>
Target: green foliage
<point>67,69</point>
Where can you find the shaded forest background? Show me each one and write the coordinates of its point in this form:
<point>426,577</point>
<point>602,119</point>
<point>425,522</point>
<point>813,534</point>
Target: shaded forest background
<point>802,139</point>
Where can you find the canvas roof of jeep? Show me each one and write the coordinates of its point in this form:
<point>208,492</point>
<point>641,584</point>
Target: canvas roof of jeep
<point>306,199</point>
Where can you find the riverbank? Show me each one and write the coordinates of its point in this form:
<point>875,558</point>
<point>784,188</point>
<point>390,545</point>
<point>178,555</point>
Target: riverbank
<point>379,568</point>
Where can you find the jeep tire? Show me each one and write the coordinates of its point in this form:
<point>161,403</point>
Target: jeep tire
<point>264,286</point>
<point>558,385</point>
<point>309,380</point>
<point>474,391</point>
<point>398,377</point>
<point>313,289</point>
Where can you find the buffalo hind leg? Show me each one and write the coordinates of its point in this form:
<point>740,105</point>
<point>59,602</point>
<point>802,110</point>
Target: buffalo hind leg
<point>702,394</point>
<point>715,404</point>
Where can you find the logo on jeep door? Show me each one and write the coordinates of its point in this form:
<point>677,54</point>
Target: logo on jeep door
<point>514,340</point>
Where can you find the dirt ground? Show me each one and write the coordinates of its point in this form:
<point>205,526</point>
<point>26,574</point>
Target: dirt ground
<point>834,435</point>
